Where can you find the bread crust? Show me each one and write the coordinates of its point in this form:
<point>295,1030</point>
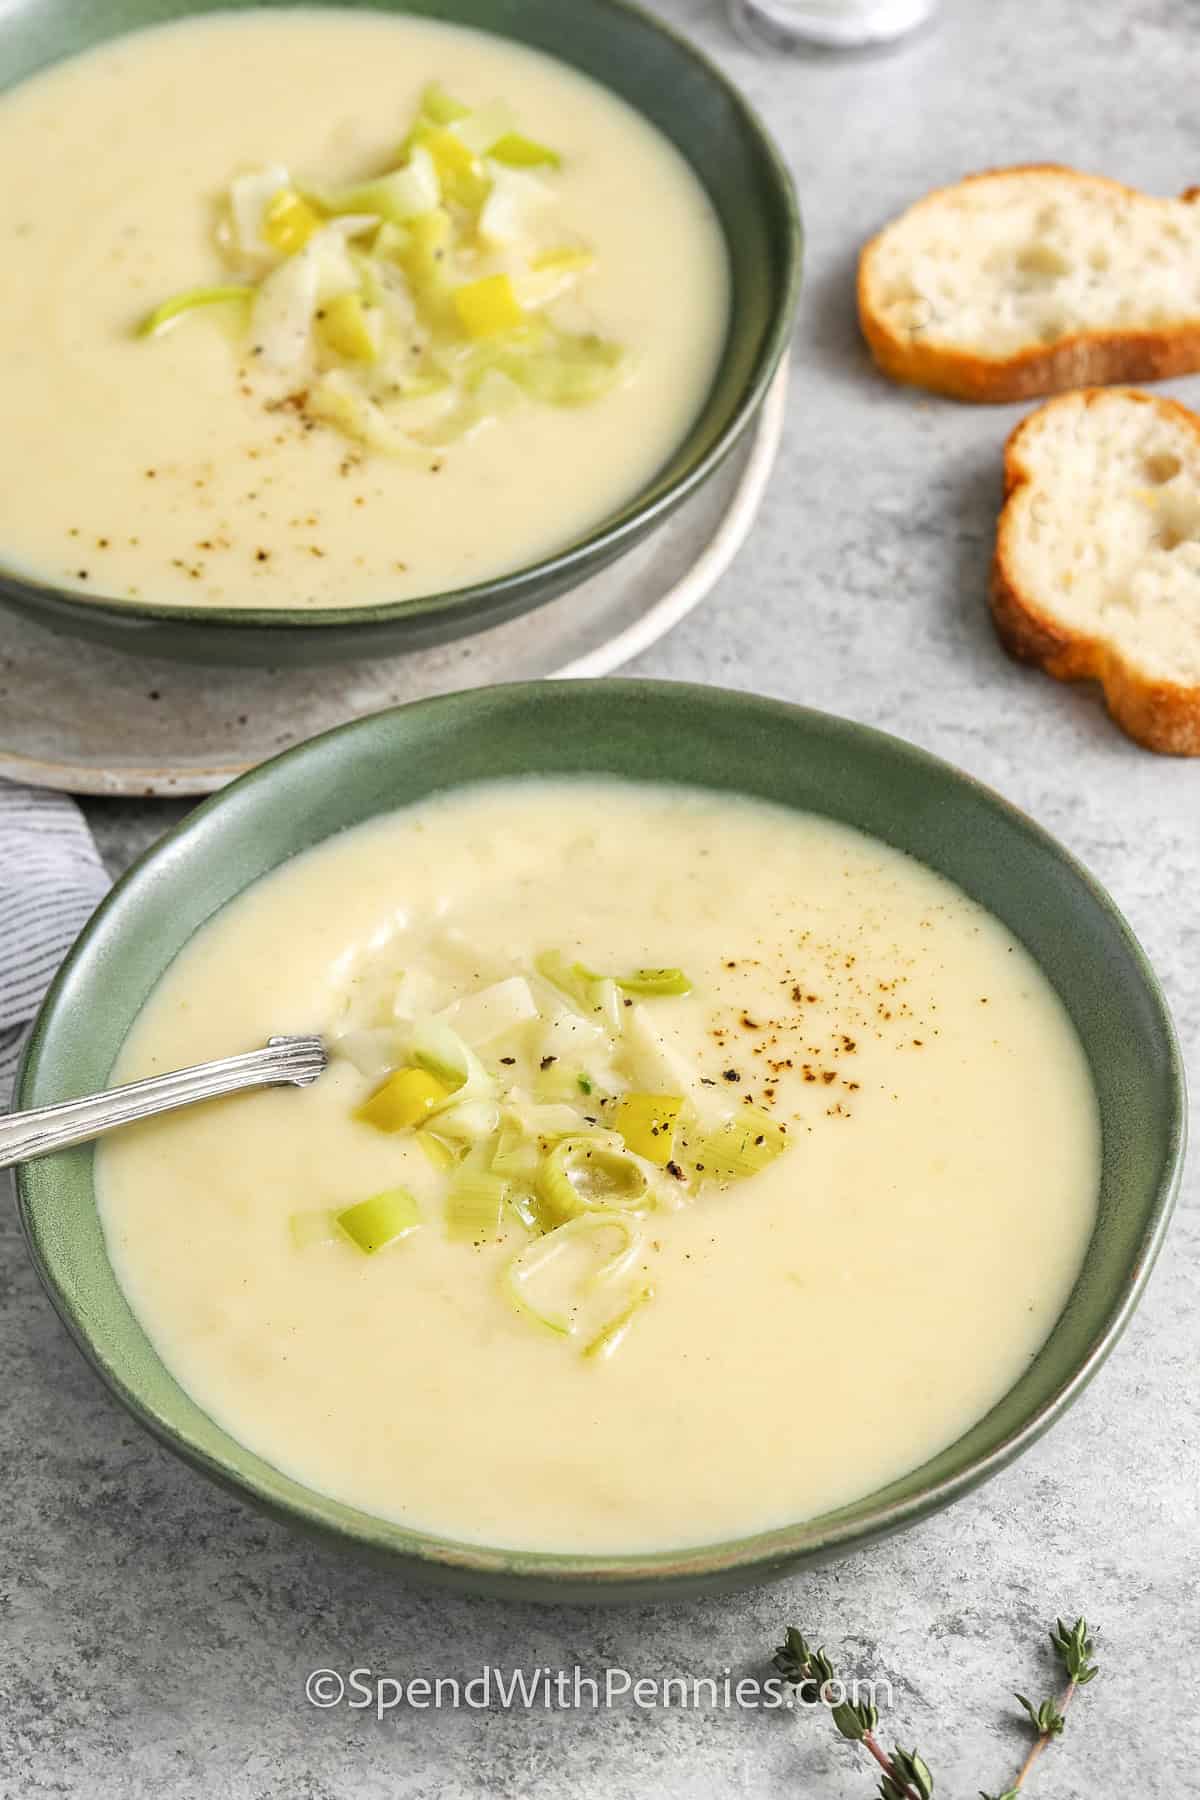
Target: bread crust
<point>1160,715</point>
<point>1086,359</point>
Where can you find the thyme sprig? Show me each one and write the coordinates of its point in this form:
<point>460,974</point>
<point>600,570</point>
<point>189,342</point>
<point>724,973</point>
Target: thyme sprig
<point>1073,1646</point>
<point>905,1774</point>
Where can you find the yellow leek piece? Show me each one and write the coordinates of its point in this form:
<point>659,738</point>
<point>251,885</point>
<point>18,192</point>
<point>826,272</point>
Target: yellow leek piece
<point>647,1122</point>
<point>458,168</point>
<point>289,221</point>
<point>520,152</point>
<point>375,1223</point>
<point>489,307</point>
<point>404,1100</point>
<point>346,329</point>
<point>187,302</point>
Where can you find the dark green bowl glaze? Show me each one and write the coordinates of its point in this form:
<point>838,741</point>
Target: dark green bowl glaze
<point>668,81</point>
<point>642,731</point>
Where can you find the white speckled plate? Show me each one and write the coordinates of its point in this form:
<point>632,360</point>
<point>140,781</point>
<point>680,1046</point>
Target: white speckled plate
<point>96,721</point>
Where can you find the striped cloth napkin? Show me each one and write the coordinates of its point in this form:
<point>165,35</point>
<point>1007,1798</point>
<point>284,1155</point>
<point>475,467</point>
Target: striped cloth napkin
<point>51,878</point>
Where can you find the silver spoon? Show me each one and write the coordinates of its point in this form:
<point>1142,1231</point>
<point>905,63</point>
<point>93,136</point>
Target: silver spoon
<point>294,1061</point>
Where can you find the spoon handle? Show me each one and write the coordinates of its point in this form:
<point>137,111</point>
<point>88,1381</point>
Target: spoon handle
<point>286,1060</point>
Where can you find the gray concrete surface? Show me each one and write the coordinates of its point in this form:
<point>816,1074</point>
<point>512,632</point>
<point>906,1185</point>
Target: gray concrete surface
<point>155,1636</point>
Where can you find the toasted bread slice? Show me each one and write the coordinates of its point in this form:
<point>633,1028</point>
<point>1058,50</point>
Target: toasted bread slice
<point>1097,566</point>
<point>1033,280</point>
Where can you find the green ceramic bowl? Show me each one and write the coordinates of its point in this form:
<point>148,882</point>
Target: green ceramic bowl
<point>639,730</point>
<point>669,82</point>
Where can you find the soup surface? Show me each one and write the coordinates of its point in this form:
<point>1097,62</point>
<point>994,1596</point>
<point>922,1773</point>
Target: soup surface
<point>815,1328</point>
<point>178,468</point>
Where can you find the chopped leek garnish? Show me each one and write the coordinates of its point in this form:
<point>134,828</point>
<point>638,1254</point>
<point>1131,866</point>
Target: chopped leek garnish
<point>580,1176</point>
<point>524,1210</point>
<point>488,307</point>
<point>179,304</point>
<point>349,329</point>
<point>375,1223</point>
<point>647,1122</point>
<point>441,1154</point>
<point>609,1337</point>
<point>289,220</point>
<point>516,1154</point>
<point>552,1302</point>
<point>548,1099</point>
<point>440,318</point>
<point>316,1227</point>
<point>521,152</point>
<point>475,1205</point>
<point>743,1146</point>
<point>655,981</point>
<point>441,107</point>
<point>565,259</point>
<point>404,1100</point>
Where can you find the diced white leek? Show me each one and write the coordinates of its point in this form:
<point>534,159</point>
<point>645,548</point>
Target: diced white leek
<point>569,1037</point>
<point>282,318</point>
<point>479,1018</point>
<point>658,1065</point>
<point>249,197</point>
<point>511,210</point>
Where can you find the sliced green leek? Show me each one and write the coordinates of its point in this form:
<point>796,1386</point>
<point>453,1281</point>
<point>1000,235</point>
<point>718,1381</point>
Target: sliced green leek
<point>648,1123</point>
<point>375,1223</point>
<point>654,981</point>
<point>475,1206</point>
<point>188,301</point>
<point>404,1100</point>
<point>579,1175</point>
<point>743,1146</point>
<point>318,1226</point>
<point>521,152</point>
<point>609,1337</point>
<point>440,107</point>
<point>609,1243</point>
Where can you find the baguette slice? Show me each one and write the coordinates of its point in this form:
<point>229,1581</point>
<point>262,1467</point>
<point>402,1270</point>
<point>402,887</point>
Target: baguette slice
<point>1097,566</point>
<point>1031,281</point>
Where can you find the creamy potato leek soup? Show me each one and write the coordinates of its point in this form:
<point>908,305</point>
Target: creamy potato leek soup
<point>685,1167</point>
<point>313,307</point>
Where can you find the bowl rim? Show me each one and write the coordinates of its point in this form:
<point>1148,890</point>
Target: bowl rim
<point>731,1561</point>
<point>502,594</point>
